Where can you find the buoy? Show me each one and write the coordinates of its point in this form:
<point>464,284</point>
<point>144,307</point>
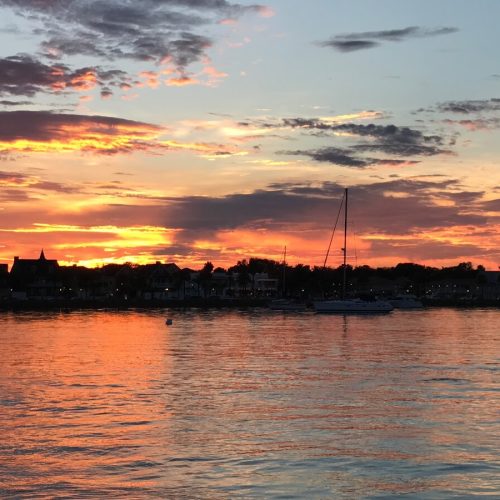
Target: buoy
<point>169,321</point>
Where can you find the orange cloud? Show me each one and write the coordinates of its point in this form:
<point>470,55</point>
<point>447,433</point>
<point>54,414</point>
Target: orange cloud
<point>228,21</point>
<point>227,128</point>
<point>30,131</point>
<point>8,179</point>
<point>362,115</point>
<point>130,97</point>
<point>26,75</point>
<point>476,124</point>
<point>80,138</point>
<point>84,81</point>
<point>213,74</point>
<point>152,78</point>
<point>181,81</point>
<point>208,150</point>
<point>265,11</point>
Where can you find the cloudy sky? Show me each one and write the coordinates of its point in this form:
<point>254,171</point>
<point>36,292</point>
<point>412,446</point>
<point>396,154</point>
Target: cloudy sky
<point>195,130</point>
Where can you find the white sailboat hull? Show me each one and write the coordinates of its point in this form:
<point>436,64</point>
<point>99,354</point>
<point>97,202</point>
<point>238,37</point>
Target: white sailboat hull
<point>352,306</point>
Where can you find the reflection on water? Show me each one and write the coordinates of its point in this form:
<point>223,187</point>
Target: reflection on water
<point>249,404</point>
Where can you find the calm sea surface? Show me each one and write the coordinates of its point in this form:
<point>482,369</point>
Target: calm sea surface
<point>250,404</point>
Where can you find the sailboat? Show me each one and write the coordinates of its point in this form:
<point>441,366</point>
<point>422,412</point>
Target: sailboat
<point>345,305</point>
<point>284,304</point>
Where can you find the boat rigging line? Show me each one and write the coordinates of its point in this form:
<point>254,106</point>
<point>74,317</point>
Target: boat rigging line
<point>333,232</point>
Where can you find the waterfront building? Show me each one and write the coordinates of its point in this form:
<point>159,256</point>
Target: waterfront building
<point>35,278</point>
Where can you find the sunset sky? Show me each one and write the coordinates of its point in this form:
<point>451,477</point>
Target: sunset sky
<point>193,130</point>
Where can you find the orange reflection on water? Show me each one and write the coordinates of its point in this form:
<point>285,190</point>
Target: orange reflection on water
<point>79,391</point>
<point>228,403</point>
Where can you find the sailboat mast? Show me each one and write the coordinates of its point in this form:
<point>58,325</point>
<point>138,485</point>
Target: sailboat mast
<point>284,273</point>
<point>345,248</point>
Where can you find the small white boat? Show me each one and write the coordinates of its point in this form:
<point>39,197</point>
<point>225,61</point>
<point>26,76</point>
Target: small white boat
<point>352,306</point>
<point>406,302</point>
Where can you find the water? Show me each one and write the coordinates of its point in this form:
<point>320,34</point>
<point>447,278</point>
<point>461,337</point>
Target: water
<point>253,404</point>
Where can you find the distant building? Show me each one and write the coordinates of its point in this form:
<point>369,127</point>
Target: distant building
<point>4,282</point>
<point>492,277</point>
<point>35,278</point>
<point>264,286</point>
<point>161,281</point>
<point>490,285</point>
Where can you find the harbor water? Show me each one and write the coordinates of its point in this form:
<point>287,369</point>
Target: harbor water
<point>250,404</point>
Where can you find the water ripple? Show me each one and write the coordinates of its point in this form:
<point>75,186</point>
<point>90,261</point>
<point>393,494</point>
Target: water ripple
<point>249,404</point>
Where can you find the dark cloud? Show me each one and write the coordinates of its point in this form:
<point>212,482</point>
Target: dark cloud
<point>105,93</point>
<point>14,195</point>
<point>47,126</point>
<point>395,210</point>
<point>470,106</point>
<point>396,163</point>
<point>393,140</point>
<point>19,185</point>
<point>178,252</point>
<point>43,131</point>
<point>337,156</point>
<point>394,207</point>
<point>8,103</point>
<point>22,75</point>
<point>389,133</point>
<point>388,139</point>
<point>387,207</point>
<point>349,45</point>
<point>417,250</point>
<point>12,178</point>
<point>398,35</point>
<point>262,208</point>
<point>152,30</point>
<point>476,124</point>
<point>57,187</point>
<point>302,123</point>
<point>465,198</point>
<point>350,42</point>
<point>402,149</point>
<point>493,205</point>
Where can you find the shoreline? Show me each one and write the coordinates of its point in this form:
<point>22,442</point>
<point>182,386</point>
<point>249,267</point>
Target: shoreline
<point>210,303</point>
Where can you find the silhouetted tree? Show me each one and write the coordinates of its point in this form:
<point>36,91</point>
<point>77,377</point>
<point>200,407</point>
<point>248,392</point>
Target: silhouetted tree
<point>205,277</point>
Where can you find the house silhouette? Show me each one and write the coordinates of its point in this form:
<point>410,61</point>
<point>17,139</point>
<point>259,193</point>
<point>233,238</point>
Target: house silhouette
<point>35,278</point>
